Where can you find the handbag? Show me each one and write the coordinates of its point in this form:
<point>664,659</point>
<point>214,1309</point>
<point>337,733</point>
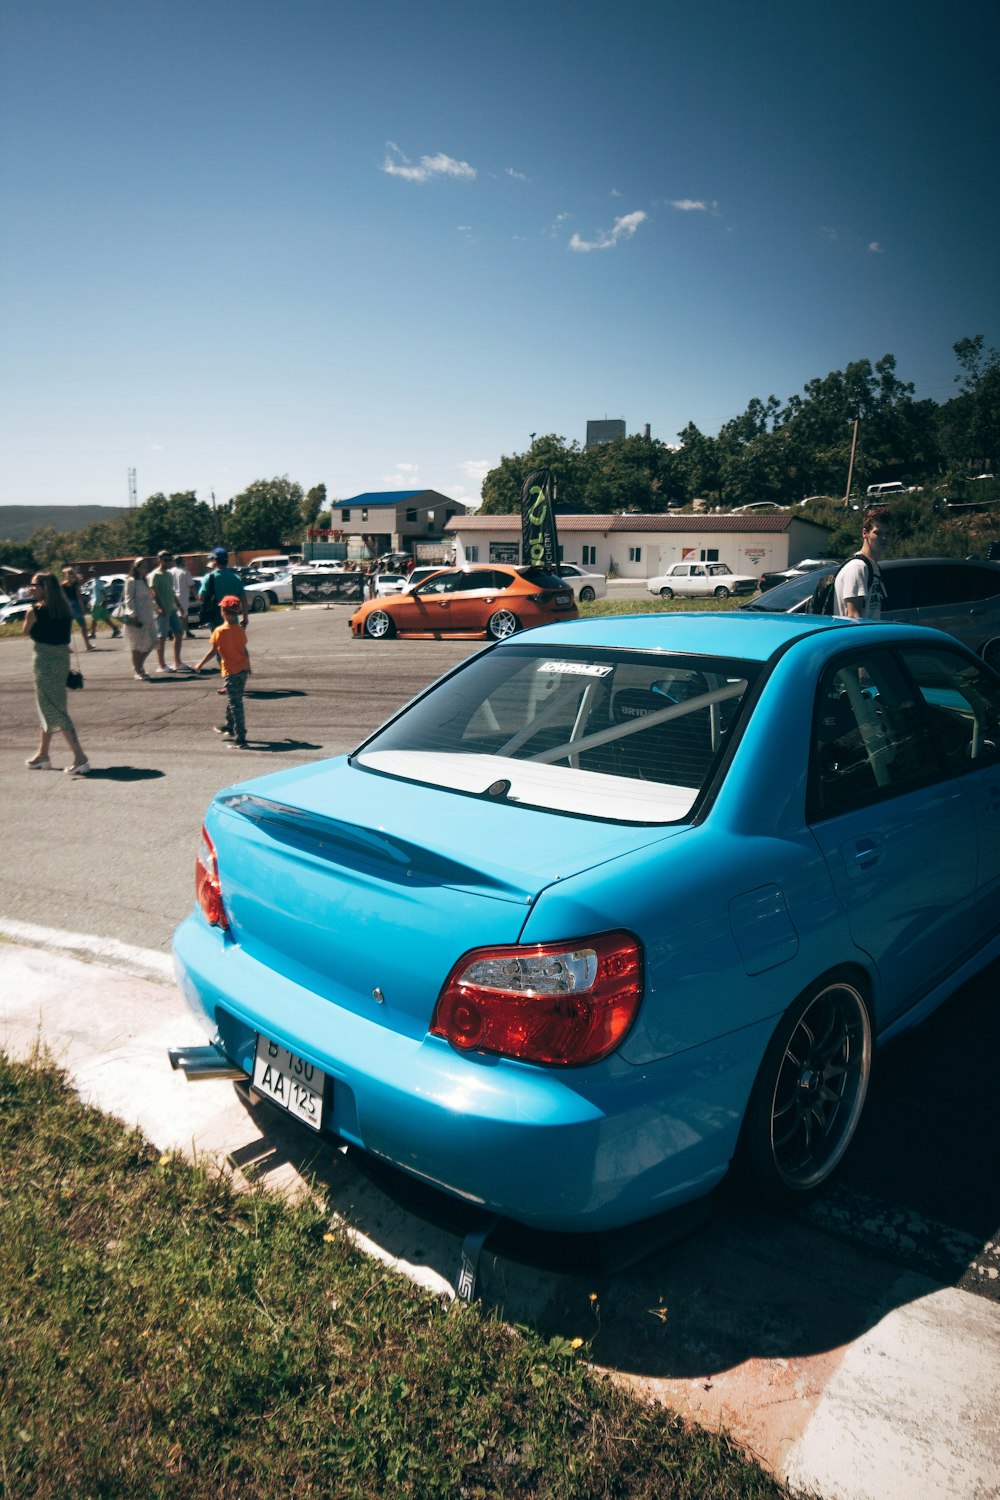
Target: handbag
<point>125,615</point>
<point>74,677</point>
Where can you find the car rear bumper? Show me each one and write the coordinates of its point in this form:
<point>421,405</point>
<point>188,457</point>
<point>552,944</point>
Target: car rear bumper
<point>559,1149</point>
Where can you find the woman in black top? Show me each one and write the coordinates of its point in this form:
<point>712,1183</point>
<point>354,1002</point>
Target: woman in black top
<point>49,623</point>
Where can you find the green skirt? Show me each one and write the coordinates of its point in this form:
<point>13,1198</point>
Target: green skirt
<point>51,667</point>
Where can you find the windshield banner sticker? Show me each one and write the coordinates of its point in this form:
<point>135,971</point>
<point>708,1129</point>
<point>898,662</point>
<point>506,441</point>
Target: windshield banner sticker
<point>575,668</point>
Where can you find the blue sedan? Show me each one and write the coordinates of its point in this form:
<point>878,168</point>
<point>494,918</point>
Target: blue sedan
<point>613,907</point>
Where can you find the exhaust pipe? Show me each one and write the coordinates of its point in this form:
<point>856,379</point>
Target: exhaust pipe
<point>197,1063</point>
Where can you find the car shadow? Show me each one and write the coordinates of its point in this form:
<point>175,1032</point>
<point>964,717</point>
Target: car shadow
<point>724,1281</point>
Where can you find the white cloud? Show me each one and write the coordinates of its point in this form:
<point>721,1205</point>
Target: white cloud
<point>403,476</point>
<point>398,164</point>
<point>615,193</point>
<point>517,176</point>
<point>623,228</point>
<point>475,469</point>
<point>875,248</point>
<point>694,205</point>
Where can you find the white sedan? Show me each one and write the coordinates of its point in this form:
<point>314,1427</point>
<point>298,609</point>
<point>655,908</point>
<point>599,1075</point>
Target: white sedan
<point>266,589</point>
<point>585,586</point>
<point>707,580</point>
<point>389,583</point>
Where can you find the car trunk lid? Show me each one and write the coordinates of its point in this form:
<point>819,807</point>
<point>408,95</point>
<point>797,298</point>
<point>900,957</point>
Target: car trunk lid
<point>352,882</point>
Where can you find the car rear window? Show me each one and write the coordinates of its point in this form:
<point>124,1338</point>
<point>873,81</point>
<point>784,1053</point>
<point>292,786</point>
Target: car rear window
<point>634,737</point>
<point>541,577</point>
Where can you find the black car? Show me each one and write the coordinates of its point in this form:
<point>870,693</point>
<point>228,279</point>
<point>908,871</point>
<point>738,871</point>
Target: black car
<point>807,565</point>
<point>960,596</point>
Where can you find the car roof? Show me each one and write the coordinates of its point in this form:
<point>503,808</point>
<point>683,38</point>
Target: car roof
<point>750,637</point>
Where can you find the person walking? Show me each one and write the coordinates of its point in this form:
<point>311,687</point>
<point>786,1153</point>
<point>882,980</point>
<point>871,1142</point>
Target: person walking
<point>858,590</point>
<point>229,644</point>
<point>183,584</point>
<point>49,624</point>
<point>137,616</point>
<point>220,580</point>
<point>71,588</point>
<point>167,615</point>
<point>99,612</point>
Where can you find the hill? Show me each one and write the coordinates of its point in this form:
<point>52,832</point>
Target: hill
<point>17,522</point>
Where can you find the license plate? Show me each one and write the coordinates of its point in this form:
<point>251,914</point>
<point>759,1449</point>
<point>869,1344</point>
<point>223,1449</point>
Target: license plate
<point>289,1081</point>
<point>563,601</point>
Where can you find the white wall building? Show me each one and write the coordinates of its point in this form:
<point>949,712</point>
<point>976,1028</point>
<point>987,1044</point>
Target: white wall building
<point>640,546</point>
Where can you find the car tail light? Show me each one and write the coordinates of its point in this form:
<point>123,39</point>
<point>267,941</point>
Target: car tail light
<point>207,889</point>
<point>564,1003</point>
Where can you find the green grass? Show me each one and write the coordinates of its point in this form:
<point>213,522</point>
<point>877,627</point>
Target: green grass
<point>649,605</point>
<point>162,1334</point>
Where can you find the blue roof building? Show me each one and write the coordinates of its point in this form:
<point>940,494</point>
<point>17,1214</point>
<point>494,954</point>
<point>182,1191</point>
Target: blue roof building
<point>382,521</point>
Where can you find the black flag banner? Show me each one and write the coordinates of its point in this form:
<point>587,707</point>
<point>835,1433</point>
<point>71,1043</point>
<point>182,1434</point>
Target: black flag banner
<point>539,544</point>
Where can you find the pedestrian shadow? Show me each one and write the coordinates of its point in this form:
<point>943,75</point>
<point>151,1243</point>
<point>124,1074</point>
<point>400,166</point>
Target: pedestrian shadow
<point>123,773</point>
<point>277,747</point>
<point>275,693</point>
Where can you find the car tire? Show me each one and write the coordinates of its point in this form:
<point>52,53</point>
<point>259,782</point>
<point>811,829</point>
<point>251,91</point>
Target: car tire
<point>722,592</point>
<point>259,604</point>
<point>379,626</point>
<point>990,653</point>
<point>587,595</point>
<point>809,1094</point>
<point>501,625</point>
<point>666,593</point>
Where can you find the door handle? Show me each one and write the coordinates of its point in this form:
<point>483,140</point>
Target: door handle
<point>864,853</point>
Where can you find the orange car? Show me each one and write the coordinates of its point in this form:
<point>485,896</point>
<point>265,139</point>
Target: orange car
<point>493,602</point>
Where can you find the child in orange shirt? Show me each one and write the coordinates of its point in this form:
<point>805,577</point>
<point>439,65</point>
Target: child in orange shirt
<point>229,644</point>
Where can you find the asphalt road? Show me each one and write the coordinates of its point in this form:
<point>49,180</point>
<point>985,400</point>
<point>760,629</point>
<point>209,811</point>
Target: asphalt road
<point>913,1214</point>
<point>113,854</point>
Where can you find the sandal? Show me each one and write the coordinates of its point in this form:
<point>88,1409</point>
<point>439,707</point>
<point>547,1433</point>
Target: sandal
<point>39,763</point>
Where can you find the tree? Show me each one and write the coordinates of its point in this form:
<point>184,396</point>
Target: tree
<point>697,463</point>
<point>502,485</point>
<point>311,506</point>
<point>969,424</point>
<point>47,546</point>
<point>176,523</point>
<point>626,474</point>
<point>268,513</point>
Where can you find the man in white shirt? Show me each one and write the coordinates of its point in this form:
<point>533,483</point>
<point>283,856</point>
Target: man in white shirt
<point>859,590</point>
<point>183,584</point>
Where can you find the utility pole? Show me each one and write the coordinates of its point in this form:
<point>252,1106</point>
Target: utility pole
<point>850,467</point>
<point>132,493</point>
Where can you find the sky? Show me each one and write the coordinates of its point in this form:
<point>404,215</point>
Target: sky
<point>378,244</point>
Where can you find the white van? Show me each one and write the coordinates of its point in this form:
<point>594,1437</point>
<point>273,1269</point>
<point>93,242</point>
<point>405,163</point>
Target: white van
<point>276,564</point>
<point>878,491</point>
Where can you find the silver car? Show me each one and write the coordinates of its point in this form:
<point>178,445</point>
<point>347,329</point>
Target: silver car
<point>961,596</point>
<point>585,585</point>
